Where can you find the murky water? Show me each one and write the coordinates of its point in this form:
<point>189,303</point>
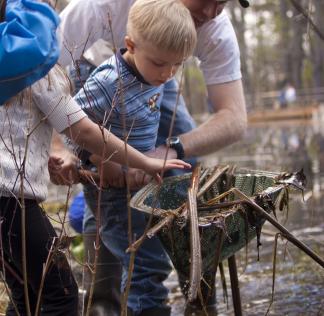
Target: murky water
<point>299,281</point>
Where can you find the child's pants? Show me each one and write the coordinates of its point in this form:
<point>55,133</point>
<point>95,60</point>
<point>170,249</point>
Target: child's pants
<point>151,266</point>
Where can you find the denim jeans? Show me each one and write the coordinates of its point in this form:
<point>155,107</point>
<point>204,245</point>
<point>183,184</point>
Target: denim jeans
<point>151,266</point>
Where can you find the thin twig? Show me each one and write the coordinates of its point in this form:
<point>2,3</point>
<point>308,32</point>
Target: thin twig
<point>217,172</point>
<point>300,9</point>
<point>274,263</point>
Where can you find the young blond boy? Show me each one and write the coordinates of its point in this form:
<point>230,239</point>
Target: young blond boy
<point>125,94</point>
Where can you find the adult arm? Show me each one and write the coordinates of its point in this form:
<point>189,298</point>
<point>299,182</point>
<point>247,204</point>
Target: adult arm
<point>226,125</point>
<point>219,53</point>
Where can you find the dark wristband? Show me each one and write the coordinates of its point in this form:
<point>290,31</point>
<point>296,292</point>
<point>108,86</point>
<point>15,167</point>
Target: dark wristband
<point>175,143</point>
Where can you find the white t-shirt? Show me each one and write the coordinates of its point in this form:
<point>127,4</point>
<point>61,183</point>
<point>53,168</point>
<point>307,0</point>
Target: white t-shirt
<point>83,22</point>
<point>45,105</point>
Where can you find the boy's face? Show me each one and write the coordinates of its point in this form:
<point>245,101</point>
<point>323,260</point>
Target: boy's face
<point>203,11</point>
<point>155,65</point>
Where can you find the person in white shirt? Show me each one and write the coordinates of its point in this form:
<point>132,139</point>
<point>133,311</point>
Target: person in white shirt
<point>85,22</point>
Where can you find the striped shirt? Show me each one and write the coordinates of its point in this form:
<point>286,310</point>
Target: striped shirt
<point>117,97</point>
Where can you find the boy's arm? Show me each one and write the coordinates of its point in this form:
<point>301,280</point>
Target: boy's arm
<point>112,173</point>
<point>99,141</point>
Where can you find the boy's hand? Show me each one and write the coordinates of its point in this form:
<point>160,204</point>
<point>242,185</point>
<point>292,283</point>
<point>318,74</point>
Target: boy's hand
<point>155,166</point>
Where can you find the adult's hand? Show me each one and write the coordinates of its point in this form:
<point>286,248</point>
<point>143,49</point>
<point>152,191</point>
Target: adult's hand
<point>63,168</point>
<point>62,163</point>
<point>115,175</point>
<point>137,178</point>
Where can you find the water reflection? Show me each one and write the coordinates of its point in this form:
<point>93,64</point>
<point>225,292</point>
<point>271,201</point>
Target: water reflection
<point>299,286</point>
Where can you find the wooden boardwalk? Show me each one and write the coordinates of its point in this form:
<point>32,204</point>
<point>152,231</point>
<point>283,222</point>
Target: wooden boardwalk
<point>290,113</point>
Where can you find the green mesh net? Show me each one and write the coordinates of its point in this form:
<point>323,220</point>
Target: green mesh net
<point>223,231</point>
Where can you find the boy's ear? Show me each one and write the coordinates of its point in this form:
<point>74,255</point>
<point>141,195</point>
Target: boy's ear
<point>130,45</point>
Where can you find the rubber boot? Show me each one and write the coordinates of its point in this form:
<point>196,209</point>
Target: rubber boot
<point>106,295</point>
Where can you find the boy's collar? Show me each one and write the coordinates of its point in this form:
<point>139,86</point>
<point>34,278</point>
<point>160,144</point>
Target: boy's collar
<point>131,69</point>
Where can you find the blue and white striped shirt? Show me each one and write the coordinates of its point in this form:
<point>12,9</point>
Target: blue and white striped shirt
<point>115,92</point>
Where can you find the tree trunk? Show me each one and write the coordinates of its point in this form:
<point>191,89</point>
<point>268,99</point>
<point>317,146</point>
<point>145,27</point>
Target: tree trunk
<point>318,45</point>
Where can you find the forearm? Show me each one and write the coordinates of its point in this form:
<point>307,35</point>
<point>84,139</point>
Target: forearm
<point>222,129</point>
<point>100,142</point>
<point>226,125</point>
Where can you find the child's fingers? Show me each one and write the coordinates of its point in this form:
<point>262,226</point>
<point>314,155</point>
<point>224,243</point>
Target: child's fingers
<point>158,178</point>
<point>176,163</point>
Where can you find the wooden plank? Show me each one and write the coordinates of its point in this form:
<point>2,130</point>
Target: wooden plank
<point>294,113</point>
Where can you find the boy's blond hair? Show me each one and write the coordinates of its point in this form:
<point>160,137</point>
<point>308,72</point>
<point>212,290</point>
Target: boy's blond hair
<point>166,24</point>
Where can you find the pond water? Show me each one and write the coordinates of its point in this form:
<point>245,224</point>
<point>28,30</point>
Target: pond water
<point>299,282</point>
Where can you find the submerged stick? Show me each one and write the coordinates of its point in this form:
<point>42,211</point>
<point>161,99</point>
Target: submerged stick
<point>195,249</point>
<point>274,266</point>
